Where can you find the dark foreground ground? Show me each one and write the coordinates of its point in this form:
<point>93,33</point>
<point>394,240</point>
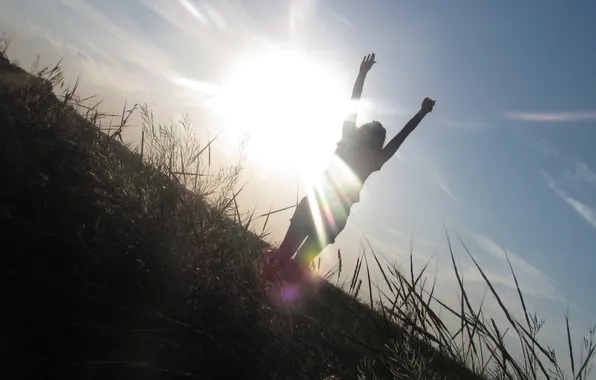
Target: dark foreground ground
<point>113,269</point>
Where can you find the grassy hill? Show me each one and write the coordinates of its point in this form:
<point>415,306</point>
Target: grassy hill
<point>137,264</point>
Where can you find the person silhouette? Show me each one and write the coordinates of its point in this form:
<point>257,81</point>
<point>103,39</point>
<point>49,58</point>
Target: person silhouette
<point>323,213</point>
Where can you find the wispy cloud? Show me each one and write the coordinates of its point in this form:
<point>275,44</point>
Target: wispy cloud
<point>492,259</point>
<point>430,174</point>
<point>196,85</point>
<point>584,173</point>
<point>411,237</point>
<point>192,9</point>
<point>572,186</point>
<point>114,55</point>
<point>553,117</point>
<point>127,40</point>
<point>532,280</point>
<point>545,147</point>
<point>341,18</point>
<point>443,185</point>
<point>533,139</point>
<point>586,212</point>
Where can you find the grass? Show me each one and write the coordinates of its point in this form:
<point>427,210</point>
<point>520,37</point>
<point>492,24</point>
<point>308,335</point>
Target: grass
<point>125,262</point>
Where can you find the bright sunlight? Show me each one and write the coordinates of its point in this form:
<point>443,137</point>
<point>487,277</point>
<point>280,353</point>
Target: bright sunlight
<point>291,107</point>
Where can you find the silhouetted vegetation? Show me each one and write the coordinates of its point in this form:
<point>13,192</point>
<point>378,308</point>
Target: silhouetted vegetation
<point>123,262</point>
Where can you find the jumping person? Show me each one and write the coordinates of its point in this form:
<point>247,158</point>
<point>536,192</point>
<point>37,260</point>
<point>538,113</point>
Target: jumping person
<point>322,214</point>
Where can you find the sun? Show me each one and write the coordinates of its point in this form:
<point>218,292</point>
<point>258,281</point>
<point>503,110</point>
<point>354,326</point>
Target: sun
<point>289,105</point>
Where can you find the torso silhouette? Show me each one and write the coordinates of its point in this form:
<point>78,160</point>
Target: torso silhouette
<point>348,169</point>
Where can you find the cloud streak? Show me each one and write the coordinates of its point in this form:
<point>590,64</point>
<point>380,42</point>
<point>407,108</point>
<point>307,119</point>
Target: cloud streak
<point>412,238</point>
<point>586,212</point>
<point>127,42</point>
<point>553,117</point>
<point>545,147</point>
<point>584,173</point>
<point>431,175</point>
<point>443,185</point>
<point>532,280</point>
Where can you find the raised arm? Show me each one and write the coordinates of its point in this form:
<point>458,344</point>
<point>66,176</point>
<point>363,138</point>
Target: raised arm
<point>395,143</point>
<point>350,121</point>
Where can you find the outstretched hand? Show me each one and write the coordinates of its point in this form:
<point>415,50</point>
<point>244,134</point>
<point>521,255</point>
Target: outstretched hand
<point>367,63</point>
<point>428,104</point>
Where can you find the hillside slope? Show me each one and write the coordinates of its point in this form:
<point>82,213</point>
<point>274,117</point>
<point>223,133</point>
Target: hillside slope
<point>112,268</point>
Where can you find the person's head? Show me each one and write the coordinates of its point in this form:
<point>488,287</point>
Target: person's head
<point>372,135</point>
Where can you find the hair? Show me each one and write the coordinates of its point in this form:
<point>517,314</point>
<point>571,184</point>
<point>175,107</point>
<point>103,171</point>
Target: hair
<point>372,135</point>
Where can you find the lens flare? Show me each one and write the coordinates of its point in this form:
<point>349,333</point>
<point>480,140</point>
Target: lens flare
<point>331,197</point>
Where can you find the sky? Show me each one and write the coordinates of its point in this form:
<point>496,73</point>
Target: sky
<point>506,160</point>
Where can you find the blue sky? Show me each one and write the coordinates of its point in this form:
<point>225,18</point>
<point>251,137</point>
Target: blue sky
<point>507,158</point>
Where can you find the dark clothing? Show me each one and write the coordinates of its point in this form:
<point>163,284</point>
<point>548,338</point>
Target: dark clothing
<point>362,160</point>
<point>324,211</point>
<point>315,218</point>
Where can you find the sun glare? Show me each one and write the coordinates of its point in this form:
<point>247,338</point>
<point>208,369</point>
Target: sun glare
<point>290,106</point>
